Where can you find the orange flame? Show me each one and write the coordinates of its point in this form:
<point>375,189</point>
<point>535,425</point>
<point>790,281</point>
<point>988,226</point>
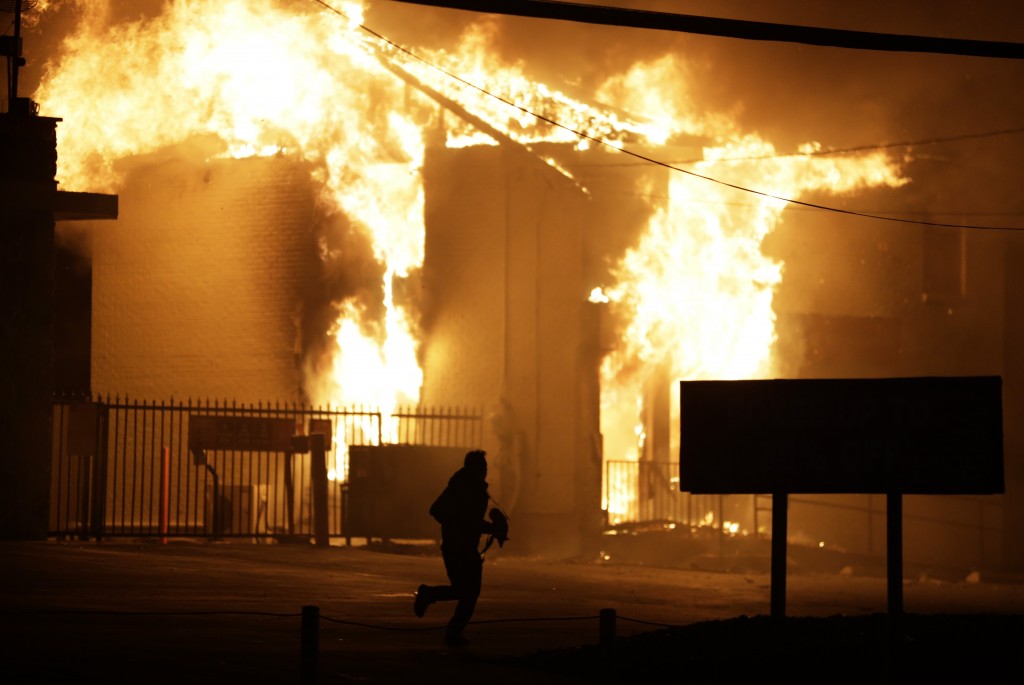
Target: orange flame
<point>243,78</point>
<point>696,292</point>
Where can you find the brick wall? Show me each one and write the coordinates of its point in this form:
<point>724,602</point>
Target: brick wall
<point>197,286</point>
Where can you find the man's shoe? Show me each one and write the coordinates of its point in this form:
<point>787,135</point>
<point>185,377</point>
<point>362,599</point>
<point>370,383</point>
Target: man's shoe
<point>421,603</point>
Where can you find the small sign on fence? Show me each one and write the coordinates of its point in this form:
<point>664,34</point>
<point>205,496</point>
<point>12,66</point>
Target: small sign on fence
<point>257,434</point>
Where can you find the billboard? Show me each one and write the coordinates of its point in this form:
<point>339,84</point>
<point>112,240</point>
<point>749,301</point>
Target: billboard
<point>915,435</point>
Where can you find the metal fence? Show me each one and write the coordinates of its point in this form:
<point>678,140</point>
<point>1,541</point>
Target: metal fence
<point>123,467</point>
<point>648,492</point>
<point>957,528</point>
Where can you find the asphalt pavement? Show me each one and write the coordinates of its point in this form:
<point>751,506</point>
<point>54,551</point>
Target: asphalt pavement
<point>243,612</point>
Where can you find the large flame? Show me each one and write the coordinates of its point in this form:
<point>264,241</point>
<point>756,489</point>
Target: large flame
<point>244,78</point>
<point>258,79</point>
<point>696,292</point>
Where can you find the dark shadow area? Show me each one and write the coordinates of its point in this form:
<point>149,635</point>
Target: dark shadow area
<point>200,612</point>
<point>833,649</point>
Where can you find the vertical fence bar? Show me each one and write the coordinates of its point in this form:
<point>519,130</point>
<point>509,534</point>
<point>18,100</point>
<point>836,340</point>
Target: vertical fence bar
<point>146,491</point>
<point>113,428</point>
<point>160,418</point>
<point>98,495</point>
<point>165,484</point>
<point>122,426</point>
<point>120,460</point>
<point>181,461</point>
<point>58,522</point>
<point>149,457</point>
<point>138,482</point>
<point>448,424</point>
<point>134,485</point>
<point>191,500</point>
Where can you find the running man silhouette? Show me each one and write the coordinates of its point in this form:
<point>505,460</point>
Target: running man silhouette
<point>460,510</point>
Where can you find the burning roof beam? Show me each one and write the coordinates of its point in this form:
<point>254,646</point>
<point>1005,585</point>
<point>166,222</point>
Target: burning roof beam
<point>733,28</point>
<point>466,115</point>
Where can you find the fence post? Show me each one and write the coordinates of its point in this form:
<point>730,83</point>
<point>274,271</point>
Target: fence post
<point>318,466</point>
<point>165,485</point>
<point>310,643</point>
<point>606,644</point>
<point>98,496</point>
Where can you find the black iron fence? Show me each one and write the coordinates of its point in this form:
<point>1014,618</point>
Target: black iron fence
<point>124,468</point>
<point>943,530</point>
<point>648,492</point>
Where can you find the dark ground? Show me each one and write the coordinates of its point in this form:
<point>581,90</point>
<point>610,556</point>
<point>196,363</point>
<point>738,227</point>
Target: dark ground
<point>201,612</point>
<point>939,648</point>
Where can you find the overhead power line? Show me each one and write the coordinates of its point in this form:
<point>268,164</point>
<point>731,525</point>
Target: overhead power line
<point>732,28</point>
<point>650,160</point>
<point>867,147</point>
<point>788,200</point>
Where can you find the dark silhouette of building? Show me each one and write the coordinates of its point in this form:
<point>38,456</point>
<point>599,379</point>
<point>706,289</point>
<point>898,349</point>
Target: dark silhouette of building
<point>30,204</point>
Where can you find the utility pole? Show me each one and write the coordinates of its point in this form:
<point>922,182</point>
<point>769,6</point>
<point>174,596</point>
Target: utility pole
<point>10,47</point>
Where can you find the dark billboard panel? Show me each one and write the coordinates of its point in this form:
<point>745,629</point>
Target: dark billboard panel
<point>916,435</point>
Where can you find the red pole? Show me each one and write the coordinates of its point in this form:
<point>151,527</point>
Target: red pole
<point>165,483</point>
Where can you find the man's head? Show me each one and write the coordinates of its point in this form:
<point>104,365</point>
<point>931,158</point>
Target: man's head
<point>476,460</point>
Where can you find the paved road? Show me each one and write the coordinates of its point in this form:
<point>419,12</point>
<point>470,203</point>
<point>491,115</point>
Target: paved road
<point>200,612</point>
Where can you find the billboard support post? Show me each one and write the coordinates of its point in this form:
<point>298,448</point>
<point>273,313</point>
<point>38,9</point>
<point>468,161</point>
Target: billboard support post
<point>892,436</point>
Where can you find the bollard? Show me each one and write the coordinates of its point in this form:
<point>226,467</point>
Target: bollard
<point>606,645</point>
<point>310,643</point>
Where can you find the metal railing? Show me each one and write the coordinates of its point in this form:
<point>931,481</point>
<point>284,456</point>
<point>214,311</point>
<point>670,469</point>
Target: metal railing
<point>123,467</point>
<point>640,493</point>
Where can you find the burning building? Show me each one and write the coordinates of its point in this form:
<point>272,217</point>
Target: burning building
<point>312,213</point>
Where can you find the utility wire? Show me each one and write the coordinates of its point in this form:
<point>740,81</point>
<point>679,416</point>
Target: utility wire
<point>886,212</point>
<point>651,160</point>
<point>732,28</point>
<point>846,150</point>
<point>865,148</point>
